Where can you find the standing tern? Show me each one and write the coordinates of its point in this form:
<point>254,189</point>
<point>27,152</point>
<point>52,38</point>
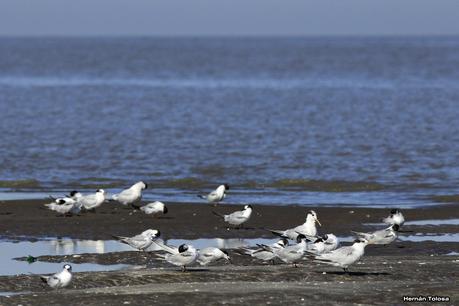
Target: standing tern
<point>308,228</point>
<point>344,256</point>
<point>266,254</point>
<point>60,279</point>
<point>395,217</point>
<point>131,195</point>
<point>237,218</point>
<point>290,254</point>
<point>154,208</point>
<point>217,195</point>
<point>211,254</point>
<point>317,247</point>
<point>331,242</point>
<point>182,256</point>
<point>142,241</point>
<point>92,201</point>
<point>62,206</point>
<point>384,236</point>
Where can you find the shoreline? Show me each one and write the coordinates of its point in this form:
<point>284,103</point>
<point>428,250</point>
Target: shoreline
<point>30,219</point>
<point>374,280</point>
<point>384,275</point>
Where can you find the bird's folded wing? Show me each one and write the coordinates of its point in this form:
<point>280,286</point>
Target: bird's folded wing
<point>126,193</point>
<point>165,247</point>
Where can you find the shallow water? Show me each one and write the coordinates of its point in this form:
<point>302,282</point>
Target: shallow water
<point>8,294</point>
<point>419,237</point>
<point>313,121</point>
<point>12,250</point>
<point>52,246</point>
<point>66,246</point>
<point>434,222</point>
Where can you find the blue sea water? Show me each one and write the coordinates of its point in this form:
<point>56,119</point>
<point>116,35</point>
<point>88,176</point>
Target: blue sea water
<point>311,121</point>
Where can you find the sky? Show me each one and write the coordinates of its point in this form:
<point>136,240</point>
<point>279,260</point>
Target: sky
<point>228,17</point>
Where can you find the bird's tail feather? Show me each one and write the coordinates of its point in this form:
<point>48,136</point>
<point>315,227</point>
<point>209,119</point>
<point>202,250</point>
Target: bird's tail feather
<point>218,215</point>
<point>165,247</point>
<point>276,232</point>
<point>265,247</point>
<point>120,238</point>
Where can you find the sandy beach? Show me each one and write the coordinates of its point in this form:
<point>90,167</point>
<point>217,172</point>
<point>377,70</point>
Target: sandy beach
<point>384,275</point>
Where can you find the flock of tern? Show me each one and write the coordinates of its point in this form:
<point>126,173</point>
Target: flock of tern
<point>308,244</point>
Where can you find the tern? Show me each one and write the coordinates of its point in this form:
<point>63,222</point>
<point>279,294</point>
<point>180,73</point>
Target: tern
<point>211,254</point>
<point>384,236</point>
<point>237,218</point>
<point>290,254</point>
<point>217,195</point>
<point>154,208</point>
<point>131,195</point>
<point>142,241</point>
<point>92,201</point>
<point>182,256</point>
<point>395,217</point>
<point>344,256</point>
<point>308,228</point>
<point>331,242</point>
<point>62,206</point>
<point>60,279</point>
<point>265,254</point>
<point>317,247</point>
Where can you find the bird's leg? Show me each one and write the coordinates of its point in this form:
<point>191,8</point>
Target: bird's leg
<point>183,269</point>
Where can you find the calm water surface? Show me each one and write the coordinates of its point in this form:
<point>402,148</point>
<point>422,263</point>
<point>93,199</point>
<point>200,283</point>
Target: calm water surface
<point>313,121</point>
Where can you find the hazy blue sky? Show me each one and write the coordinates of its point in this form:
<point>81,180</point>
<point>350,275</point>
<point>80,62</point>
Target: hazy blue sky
<point>231,17</point>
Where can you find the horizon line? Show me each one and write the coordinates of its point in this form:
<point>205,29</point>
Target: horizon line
<point>337,35</point>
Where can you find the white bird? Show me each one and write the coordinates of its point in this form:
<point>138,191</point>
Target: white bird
<point>182,256</point>
<point>142,241</point>
<point>237,218</point>
<point>317,247</point>
<point>62,206</point>
<point>264,254</point>
<point>92,201</point>
<point>211,254</point>
<point>384,236</point>
<point>395,217</point>
<point>308,228</point>
<point>75,195</point>
<point>331,242</point>
<point>344,256</point>
<point>131,195</point>
<point>217,195</point>
<point>292,253</point>
<point>154,208</point>
<point>60,279</point>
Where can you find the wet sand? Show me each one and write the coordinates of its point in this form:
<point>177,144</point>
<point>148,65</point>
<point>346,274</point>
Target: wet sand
<point>383,276</point>
<point>192,221</point>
